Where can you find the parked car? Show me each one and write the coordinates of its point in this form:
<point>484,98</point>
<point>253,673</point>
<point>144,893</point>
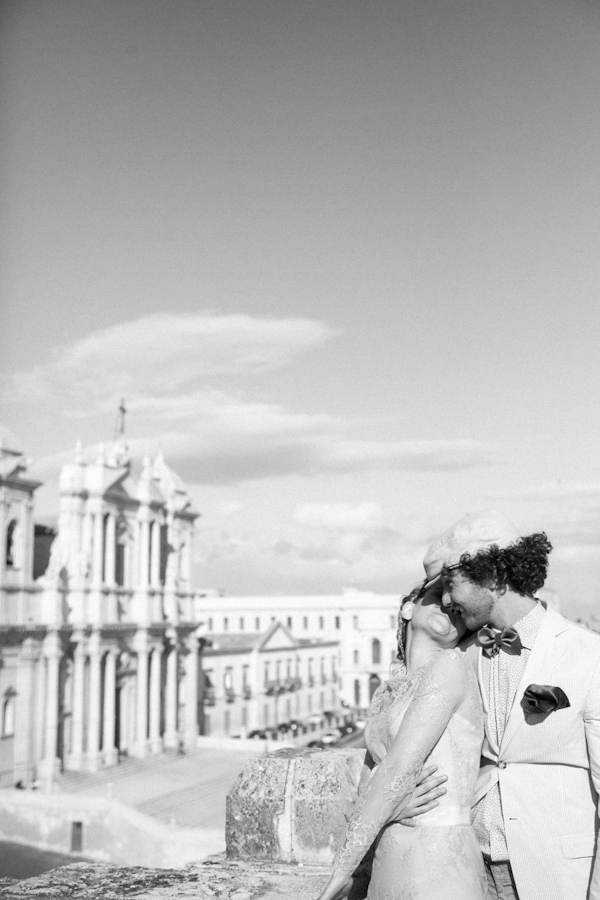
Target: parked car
<point>316,745</point>
<point>258,734</point>
<point>360,724</point>
<point>330,737</point>
<point>347,728</point>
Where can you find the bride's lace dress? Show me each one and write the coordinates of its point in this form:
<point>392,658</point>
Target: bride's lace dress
<point>434,715</point>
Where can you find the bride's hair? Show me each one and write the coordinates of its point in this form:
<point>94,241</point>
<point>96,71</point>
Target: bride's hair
<point>414,595</point>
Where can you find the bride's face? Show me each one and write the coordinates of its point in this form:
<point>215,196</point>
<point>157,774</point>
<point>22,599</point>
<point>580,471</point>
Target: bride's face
<point>443,625</point>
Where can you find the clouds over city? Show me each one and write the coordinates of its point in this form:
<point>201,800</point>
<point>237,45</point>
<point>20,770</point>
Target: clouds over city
<point>162,356</point>
<point>328,543</point>
<point>568,513</point>
<point>177,372</point>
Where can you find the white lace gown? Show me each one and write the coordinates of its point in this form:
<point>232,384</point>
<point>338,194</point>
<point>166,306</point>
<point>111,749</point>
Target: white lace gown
<point>433,715</point>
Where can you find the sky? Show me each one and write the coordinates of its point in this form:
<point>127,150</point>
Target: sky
<point>341,259</point>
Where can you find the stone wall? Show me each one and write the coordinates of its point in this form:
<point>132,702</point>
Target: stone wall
<point>285,816</point>
<point>213,879</point>
<point>111,832</point>
<point>293,805</point>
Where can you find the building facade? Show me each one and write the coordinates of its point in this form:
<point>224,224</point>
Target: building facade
<point>99,655</point>
<point>361,623</point>
<point>264,681</point>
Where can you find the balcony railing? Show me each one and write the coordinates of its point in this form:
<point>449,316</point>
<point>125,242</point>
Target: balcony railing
<point>209,696</point>
<point>246,692</point>
<point>229,695</point>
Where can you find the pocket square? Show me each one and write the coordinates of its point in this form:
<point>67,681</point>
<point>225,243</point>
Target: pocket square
<point>544,698</point>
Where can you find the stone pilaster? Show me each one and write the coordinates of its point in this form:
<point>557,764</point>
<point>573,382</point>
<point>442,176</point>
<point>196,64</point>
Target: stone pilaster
<point>94,703</point>
<point>109,751</point>
<point>191,693</point>
<point>78,705</point>
<point>49,766</point>
<point>155,700</point>
<point>24,746</point>
<point>142,649</point>
<point>155,555</point>
<point>110,550</point>
<point>171,698</point>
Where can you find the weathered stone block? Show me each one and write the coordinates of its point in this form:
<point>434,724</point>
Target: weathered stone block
<point>293,805</point>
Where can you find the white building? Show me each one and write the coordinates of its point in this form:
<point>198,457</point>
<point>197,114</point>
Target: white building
<point>262,680</point>
<point>99,657</point>
<point>363,625</point>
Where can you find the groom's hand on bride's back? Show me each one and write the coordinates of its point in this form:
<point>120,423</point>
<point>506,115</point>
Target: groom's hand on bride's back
<point>423,798</point>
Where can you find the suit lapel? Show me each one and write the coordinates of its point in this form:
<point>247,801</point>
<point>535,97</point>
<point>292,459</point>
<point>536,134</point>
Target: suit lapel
<point>543,660</point>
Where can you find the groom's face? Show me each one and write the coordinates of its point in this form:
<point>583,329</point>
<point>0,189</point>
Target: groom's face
<point>472,602</point>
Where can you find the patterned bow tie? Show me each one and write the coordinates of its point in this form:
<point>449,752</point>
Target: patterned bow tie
<point>492,641</point>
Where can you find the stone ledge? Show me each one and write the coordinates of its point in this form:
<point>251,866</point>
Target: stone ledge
<point>293,805</point>
<point>216,878</point>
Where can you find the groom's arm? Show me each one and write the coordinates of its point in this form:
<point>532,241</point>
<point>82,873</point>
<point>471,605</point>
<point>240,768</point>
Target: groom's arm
<point>592,733</point>
<point>424,797</point>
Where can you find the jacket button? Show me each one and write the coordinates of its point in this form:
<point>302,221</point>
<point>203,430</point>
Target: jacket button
<point>502,764</point>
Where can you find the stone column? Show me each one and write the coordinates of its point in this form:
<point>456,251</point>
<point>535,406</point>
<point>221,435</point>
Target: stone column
<point>24,741</point>
<point>79,657</point>
<point>155,700</point>
<point>49,766</point>
<point>110,550</point>
<point>144,570</point>
<point>142,649</point>
<point>191,694</point>
<point>94,703</point>
<point>134,556</point>
<point>86,534</point>
<point>28,539</point>
<point>171,698</point>
<point>155,554</point>
<point>95,610</point>
<point>109,751</point>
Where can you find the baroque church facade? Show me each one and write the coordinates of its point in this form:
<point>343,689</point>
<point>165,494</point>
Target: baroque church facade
<point>99,656</point>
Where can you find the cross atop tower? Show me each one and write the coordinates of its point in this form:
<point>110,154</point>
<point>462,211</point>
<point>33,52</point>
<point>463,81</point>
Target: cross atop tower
<point>118,455</point>
<point>122,411</point>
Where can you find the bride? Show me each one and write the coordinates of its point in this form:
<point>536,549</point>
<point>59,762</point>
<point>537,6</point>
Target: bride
<point>428,710</point>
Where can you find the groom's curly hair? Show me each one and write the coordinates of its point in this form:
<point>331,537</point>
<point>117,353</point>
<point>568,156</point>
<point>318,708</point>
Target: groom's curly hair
<point>521,567</point>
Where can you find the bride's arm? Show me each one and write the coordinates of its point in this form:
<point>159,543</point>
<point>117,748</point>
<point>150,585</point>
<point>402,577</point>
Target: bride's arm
<point>439,694</point>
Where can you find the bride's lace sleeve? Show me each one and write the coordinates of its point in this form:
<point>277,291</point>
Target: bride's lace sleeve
<point>439,693</point>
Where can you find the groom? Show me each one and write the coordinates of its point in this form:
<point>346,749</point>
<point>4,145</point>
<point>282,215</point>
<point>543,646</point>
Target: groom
<point>535,811</point>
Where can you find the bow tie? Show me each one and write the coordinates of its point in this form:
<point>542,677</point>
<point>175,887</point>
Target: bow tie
<point>492,641</point>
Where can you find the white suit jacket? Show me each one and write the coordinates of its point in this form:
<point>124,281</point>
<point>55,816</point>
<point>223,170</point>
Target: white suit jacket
<point>548,768</point>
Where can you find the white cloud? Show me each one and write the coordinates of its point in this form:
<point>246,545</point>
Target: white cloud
<point>230,509</point>
<point>162,363</point>
<point>328,546</point>
<point>363,517</point>
<point>568,512</point>
<point>161,355</point>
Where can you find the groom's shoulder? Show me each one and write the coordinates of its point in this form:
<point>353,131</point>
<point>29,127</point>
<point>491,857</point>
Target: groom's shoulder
<point>579,636</point>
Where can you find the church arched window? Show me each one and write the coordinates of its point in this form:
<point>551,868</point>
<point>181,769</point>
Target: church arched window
<point>11,549</point>
<point>376,651</point>
<point>8,714</point>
